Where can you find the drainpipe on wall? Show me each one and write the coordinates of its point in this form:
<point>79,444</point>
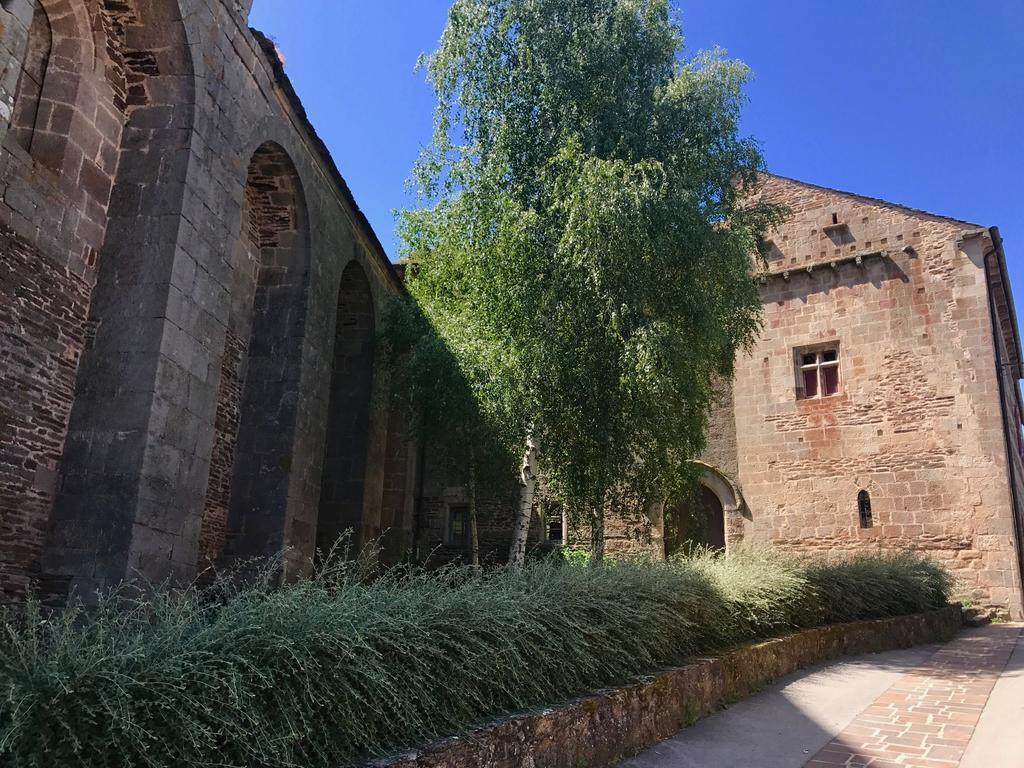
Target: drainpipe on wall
<point>1009,428</point>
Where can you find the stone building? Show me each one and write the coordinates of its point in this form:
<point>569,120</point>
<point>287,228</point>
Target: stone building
<point>188,297</point>
<point>188,371</point>
<point>880,406</point>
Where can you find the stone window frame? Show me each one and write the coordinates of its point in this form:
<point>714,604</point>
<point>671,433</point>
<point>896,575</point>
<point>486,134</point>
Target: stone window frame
<point>554,521</point>
<point>865,518</point>
<point>451,537</point>
<point>820,365</point>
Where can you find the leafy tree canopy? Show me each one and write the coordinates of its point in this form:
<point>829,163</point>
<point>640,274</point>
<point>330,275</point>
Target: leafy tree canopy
<point>583,243</point>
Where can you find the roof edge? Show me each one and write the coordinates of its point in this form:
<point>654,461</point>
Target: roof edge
<point>874,200</point>
<point>1004,277</point>
<point>269,50</point>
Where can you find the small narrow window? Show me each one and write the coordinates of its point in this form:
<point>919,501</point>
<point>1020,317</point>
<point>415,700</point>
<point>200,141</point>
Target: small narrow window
<point>553,527</point>
<point>818,373</point>
<point>864,509</point>
<point>458,525</point>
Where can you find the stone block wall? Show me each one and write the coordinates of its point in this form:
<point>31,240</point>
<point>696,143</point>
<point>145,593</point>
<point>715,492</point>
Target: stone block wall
<point>919,449</point>
<point>916,423</point>
<point>446,494</point>
<point>169,313</point>
<point>60,128</point>
<point>625,535</point>
<point>1008,364</point>
<point>922,429</point>
<point>721,435</point>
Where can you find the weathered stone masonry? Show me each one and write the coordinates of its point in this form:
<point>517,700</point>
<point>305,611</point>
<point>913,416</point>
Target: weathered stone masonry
<point>61,120</point>
<point>919,310</point>
<point>920,447</point>
<point>172,306</point>
<point>188,374</point>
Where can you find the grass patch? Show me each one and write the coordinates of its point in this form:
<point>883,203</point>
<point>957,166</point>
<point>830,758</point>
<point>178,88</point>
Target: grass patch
<point>329,671</point>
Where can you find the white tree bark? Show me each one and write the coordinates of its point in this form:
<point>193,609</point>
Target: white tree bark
<point>527,490</point>
<point>474,534</point>
<point>656,520</point>
<point>597,535</point>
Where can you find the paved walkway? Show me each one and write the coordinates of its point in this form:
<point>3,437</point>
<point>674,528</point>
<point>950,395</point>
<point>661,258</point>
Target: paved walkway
<point>959,705</point>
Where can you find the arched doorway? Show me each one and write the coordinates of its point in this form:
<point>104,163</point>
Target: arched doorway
<point>712,517</point>
<point>342,485</point>
<point>696,522</point>
<point>251,462</point>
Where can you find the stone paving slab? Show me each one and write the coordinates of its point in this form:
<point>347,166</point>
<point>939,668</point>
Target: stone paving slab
<point>999,736</point>
<point>925,707</point>
<point>790,720</point>
<point>927,718</point>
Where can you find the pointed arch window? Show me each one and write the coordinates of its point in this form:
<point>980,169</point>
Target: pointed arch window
<point>25,120</point>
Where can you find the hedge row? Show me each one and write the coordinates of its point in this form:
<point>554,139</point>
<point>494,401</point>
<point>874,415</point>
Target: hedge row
<point>329,671</point>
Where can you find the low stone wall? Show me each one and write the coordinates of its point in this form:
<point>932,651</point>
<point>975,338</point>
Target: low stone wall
<point>601,729</point>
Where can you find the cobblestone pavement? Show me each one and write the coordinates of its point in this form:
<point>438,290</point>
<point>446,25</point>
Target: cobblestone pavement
<point>928,717</point>
<point>959,705</point>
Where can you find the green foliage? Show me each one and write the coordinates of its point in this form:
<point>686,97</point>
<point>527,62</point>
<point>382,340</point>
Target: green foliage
<point>327,671</point>
<point>896,584</point>
<point>583,249</point>
<point>474,436</point>
<point>574,556</point>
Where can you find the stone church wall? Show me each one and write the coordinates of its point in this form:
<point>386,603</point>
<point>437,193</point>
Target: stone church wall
<point>59,141</point>
<point>172,313</point>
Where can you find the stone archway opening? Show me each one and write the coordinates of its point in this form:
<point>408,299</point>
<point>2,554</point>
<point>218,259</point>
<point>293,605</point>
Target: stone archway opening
<point>343,481</point>
<point>250,468</point>
<point>710,518</point>
<point>695,522</point>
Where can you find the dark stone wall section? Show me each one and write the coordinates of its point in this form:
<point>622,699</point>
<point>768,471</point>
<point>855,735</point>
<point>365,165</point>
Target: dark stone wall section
<point>60,127</point>
<point>398,505</point>
<point>30,87</point>
<point>42,332</point>
<point>213,534</point>
<point>275,228</point>
<point>172,240</point>
<point>348,420</point>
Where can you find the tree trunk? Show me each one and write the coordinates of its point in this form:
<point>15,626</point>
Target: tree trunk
<point>524,511</point>
<point>474,538</point>
<point>417,515</point>
<point>656,520</point>
<point>597,535</point>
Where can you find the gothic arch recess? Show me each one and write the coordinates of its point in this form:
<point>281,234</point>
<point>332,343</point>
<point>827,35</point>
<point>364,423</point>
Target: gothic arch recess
<point>250,470</point>
<point>60,55</point>
<point>343,482</point>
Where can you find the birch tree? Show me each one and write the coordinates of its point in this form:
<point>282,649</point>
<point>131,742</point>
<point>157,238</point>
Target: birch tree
<point>581,243</point>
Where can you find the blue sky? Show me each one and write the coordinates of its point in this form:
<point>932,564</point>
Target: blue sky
<point>919,102</point>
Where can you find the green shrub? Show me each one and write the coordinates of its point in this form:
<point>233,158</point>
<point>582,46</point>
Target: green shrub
<point>328,671</point>
<point>868,586</point>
